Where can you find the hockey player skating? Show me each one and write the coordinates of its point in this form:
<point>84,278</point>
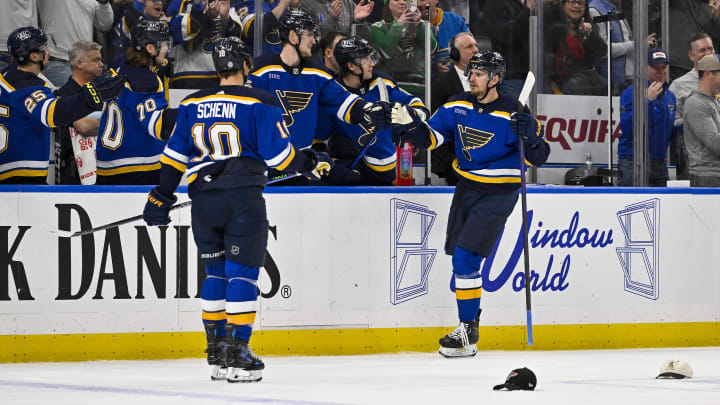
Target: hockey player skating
<point>485,127</point>
<point>302,86</point>
<point>223,139</point>
<point>356,58</point>
<point>134,128</point>
<point>28,109</point>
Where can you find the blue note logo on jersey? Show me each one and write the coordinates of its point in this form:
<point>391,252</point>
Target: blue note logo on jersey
<point>369,134</point>
<point>472,138</point>
<point>292,102</point>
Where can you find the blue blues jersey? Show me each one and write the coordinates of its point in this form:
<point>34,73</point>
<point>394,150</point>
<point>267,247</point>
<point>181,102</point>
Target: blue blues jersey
<point>245,11</point>
<point>28,109</point>
<point>131,126</point>
<point>381,155</point>
<point>193,33</point>
<point>445,26</point>
<point>301,92</point>
<point>487,151</point>
<point>216,125</point>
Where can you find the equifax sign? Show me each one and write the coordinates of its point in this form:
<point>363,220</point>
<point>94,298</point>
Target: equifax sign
<point>578,125</point>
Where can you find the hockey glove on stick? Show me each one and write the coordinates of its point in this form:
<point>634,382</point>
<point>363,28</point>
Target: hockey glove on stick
<point>403,120</point>
<point>527,127</point>
<point>319,164</point>
<point>105,87</point>
<point>157,208</point>
<point>378,114</point>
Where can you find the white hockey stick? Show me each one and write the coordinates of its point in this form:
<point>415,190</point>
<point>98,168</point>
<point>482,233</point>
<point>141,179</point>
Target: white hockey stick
<point>523,99</point>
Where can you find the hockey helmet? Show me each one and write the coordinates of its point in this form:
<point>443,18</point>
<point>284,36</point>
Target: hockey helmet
<point>493,62</point>
<point>297,20</point>
<point>354,49</point>
<point>229,54</point>
<point>149,31</point>
<point>24,40</point>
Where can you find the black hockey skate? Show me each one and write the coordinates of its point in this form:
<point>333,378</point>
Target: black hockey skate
<point>216,347</point>
<point>462,342</point>
<point>243,364</point>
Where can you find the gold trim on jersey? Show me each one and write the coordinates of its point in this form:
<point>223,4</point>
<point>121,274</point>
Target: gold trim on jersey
<point>51,114</point>
<point>285,163</point>
<point>172,162</point>
<point>239,99</point>
<point>500,178</point>
<point>24,173</point>
<point>129,169</point>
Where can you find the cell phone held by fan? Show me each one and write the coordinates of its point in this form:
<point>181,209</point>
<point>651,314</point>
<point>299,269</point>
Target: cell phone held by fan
<point>411,5</point>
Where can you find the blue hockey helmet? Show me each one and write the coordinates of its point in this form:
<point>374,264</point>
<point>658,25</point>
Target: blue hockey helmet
<point>229,54</point>
<point>25,40</point>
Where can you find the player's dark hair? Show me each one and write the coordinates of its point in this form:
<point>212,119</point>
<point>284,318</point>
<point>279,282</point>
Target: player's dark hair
<point>138,58</point>
<point>327,40</point>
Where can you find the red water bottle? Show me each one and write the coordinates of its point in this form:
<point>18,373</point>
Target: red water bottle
<point>405,165</point>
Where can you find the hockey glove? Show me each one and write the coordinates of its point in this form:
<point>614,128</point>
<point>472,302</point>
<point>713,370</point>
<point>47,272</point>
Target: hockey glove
<point>157,208</point>
<point>105,87</point>
<point>404,119</point>
<point>319,164</point>
<point>378,114</point>
<point>342,175</point>
<point>527,127</point>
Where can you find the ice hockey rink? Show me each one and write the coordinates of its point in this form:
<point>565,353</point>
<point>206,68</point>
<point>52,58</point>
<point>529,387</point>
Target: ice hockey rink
<point>564,377</point>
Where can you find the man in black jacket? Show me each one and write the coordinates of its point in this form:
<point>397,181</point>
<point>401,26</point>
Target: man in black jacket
<point>448,84</point>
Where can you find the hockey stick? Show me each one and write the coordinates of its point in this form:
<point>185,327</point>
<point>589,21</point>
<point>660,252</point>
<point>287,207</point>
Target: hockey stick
<point>383,97</point>
<point>68,234</point>
<point>522,100</point>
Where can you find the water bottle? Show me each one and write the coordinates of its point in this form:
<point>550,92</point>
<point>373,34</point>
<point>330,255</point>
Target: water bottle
<point>588,166</point>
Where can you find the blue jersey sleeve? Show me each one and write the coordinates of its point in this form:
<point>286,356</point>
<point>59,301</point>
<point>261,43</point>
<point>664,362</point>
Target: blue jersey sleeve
<point>180,146</point>
<point>273,137</point>
<point>334,96</point>
<point>149,112</point>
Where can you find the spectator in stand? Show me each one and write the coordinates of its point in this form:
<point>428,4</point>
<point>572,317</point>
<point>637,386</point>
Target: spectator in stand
<point>195,25</point>
<point>13,15</point>
<point>327,46</point>
<point>448,84</point>
<point>86,64</point>
<point>120,35</point>
<point>338,15</point>
<point>700,45</point>
<point>574,47</point>
<point>66,22</point>
<point>400,38</point>
<point>688,17</point>
<point>507,23</point>
<point>622,65</point>
<point>702,125</point>
<point>445,25</point>
<point>660,118</point>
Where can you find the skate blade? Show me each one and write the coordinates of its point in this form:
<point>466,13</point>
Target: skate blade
<point>467,351</point>
<point>239,375</point>
<point>218,373</point>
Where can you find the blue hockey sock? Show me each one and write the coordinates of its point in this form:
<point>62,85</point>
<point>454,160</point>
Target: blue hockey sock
<point>468,284</point>
<point>241,296</point>
<point>212,297</point>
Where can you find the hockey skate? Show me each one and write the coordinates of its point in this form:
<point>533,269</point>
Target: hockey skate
<point>216,360</point>
<point>216,347</point>
<point>462,342</point>
<point>243,365</point>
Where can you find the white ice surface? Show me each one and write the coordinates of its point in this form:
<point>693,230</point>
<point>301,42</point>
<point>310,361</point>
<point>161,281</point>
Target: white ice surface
<point>564,377</point>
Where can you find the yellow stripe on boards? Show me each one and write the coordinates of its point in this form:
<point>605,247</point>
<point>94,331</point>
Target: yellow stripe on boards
<point>170,345</point>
